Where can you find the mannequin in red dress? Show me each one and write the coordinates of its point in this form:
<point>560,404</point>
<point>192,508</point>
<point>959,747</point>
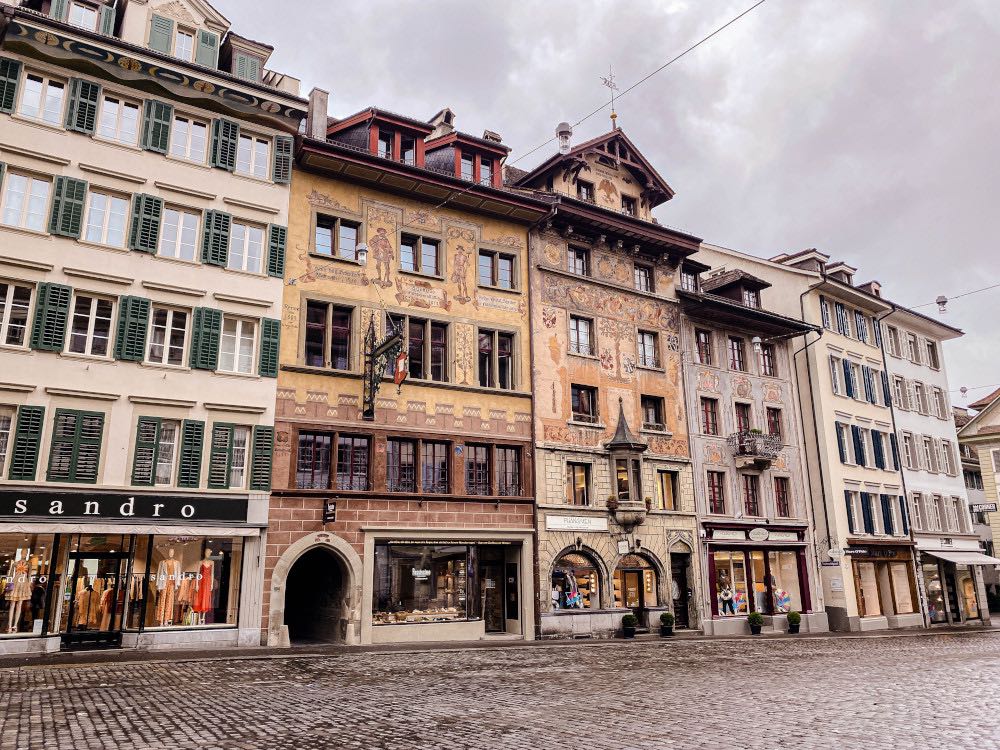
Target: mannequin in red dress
<point>206,583</point>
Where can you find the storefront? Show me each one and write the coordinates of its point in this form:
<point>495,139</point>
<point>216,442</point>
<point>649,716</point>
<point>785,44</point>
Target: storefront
<point>884,585</point>
<point>89,570</point>
<point>953,587</point>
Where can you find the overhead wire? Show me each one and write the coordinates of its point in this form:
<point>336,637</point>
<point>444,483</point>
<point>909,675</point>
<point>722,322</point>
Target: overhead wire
<point>959,296</point>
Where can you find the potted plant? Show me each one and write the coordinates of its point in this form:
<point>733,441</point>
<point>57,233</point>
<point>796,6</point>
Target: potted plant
<point>666,623</point>
<point>612,503</point>
<point>649,503</point>
<point>756,621</point>
<point>794,619</point>
<point>629,623</point>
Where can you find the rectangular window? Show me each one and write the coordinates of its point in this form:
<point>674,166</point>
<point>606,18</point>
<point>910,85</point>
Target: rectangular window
<point>584,403</point>
<point>751,495</point>
<point>424,584</point>
<point>736,359</point>
<point>861,326</point>
<point>579,261</point>
<point>119,120</point>
<point>434,466</point>
<point>253,156</point>
<point>15,303</point>
<point>940,403</point>
<point>166,453</point>
<point>666,490</point>
<point>25,201</point>
<point>401,467</point>
<point>652,413</point>
<point>578,484</point>
<point>647,347</point>
<point>585,191</point>
<point>912,348</point>
<point>312,468</point>
<point>824,312</point>
<point>179,236</point>
<point>83,16</point>
<point>107,216</point>
<point>774,422</point>
<point>43,99</point>
<point>236,347</point>
<point>716,483</point>
<point>496,360</point>
<point>643,277</point>
<point>703,341</point>
<point>167,336</point>
<point>899,393</point>
<point>843,322</point>
<point>189,139</point>
<point>629,206</point>
<point>477,469</point>
<point>895,348</point>
<point>337,237</point>
<point>90,326</point>
<point>932,355</point>
<point>580,340</point>
<point>782,497</point>
<point>184,45</point>
<point>508,471</point>
<point>327,335</point>
<point>920,390</point>
<point>767,362</point>
<point>240,461</point>
<point>385,143</point>
<point>496,270</point>
<point>467,167</point>
<point>352,462</point>
<point>75,453</point>
<point>407,149</point>
<point>751,298</point>
<point>419,255</point>
<point>836,367</point>
<point>6,426</point>
<point>485,171</point>
<point>246,248</point>
<point>710,416</point>
<point>689,281</point>
<point>947,458</point>
<point>744,421</point>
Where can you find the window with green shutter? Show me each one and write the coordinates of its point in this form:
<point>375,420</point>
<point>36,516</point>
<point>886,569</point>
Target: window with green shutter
<point>147,214</point>
<point>58,9</point>
<point>247,67</point>
<point>220,456</point>
<point>75,454</point>
<point>270,344</point>
<point>133,322</point>
<point>81,115</point>
<point>225,144</point>
<point>147,438</point>
<point>277,239</point>
<point>192,445</point>
<point>107,22</point>
<point>205,334</point>
<point>157,118</point>
<point>207,53</point>
<point>10,76</point>
<point>68,199</point>
<point>27,443</point>
<point>281,172</point>
<point>215,238</point>
<point>48,332</point>
<point>263,451</point>
<point>161,34</point>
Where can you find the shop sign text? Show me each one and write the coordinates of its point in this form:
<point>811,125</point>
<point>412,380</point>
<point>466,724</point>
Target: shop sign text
<point>60,506</point>
<point>576,523</point>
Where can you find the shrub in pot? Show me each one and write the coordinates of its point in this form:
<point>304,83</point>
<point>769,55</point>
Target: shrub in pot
<point>794,620</point>
<point>756,621</point>
<point>629,623</point>
<point>666,623</point>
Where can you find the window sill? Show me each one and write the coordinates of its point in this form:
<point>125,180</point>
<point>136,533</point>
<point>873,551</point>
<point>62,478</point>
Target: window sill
<point>252,274</point>
<point>88,357</point>
<point>193,262</point>
<point>188,162</point>
<point>590,425</point>
<point>503,290</point>
<point>15,349</point>
<point>134,147</point>
<point>581,355</point>
<point>239,375</point>
<point>650,431</point>
<point>420,274</point>
<point>651,368</point>
<point>337,259</point>
<point>252,178</point>
<point>40,233</point>
<point>37,123</point>
<point>102,246</point>
<point>167,368</point>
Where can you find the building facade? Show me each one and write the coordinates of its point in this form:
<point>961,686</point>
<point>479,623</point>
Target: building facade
<point>145,165</point>
<point>403,488</point>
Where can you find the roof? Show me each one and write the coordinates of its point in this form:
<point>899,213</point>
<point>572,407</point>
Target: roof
<point>729,278</point>
<point>375,112</point>
<point>801,255</point>
<point>460,137</point>
<point>966,430</point>
<point>729,312</point>
<point>623,438</point>
<point>985,401</point>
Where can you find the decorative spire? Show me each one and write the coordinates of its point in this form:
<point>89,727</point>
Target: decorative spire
<point>623,439</point>
<point>610,83</point>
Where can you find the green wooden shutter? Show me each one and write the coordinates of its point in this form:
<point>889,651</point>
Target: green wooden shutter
<point>3,168</point>
<point>147,214</point>
<point>157,119</point>
<point>277,239</point>
<point>48,332</point>
<point>58,9</point>
<point>27,442</point>
<point>161,34</point>
<point>75,454</point>
<point>207,53</point>
<point>220,456</point>
<point>281,171</point>
<point>263,451</point>
<point>10,76</point>
<point>205,333</point>
<point>215,238</point>
<point>107,22</point>
<point>133,322</point>
<point>81,115</point>
<point>270,344</point>
<point>68,198</point>
<point>147,440</point>
<point>192,444</point>
<point>246,67</point>
<point>225,143</point>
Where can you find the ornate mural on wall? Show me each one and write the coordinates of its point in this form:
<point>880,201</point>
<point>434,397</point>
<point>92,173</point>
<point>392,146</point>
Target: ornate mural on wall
<point>420,293</point>
<point>742,386</point>
<point>322,200</point>
<point>772,392</point>
<point>460,274</point>
<point>715,453</point>
<point>317,269</point>
<point>590,298</point>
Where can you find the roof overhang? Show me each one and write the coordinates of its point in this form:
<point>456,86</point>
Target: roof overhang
<point>722,311</point>
<point>373,114</point>
<point>465,139</point>
<point>853,295</point>
<point>924,323</point>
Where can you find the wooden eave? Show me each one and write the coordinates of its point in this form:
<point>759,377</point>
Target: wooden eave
<point>376,115</point>
<point>727,313</point>
<point>467,140</point>
<point>339,161</point>
<point>582,215</point>
<point>852,294</point>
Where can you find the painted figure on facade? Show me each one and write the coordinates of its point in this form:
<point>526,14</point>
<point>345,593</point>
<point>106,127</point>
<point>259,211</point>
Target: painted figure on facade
<point>459,275</point>
<point>381,250</point>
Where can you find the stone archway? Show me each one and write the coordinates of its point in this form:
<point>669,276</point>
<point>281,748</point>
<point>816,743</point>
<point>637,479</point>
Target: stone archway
<point>316,592</point>
<point>683,579</point>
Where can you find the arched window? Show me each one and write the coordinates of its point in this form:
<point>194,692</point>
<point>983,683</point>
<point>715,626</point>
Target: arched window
<point>575,583</point>
<point>635,583</point>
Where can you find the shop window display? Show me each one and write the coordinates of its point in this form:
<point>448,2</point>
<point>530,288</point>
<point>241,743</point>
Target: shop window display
<point>866,583</point>
<point>731,583</point>
<point>417,583</point>
<point>634,583</point>
<point>574,583</point>
<point>967,592</point>
<point>785,589</point>
<point>25,566</point>
<point>900,575</point>
<point>91,582</point>
<point>936,610</point>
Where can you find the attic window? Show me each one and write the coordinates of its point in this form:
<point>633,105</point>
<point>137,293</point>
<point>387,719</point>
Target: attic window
<point>184,45</point>
<point>585,190</point>
<point>83,15</point>
<point>247,67</point>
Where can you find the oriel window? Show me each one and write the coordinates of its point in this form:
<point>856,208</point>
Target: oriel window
<point>578,484</point>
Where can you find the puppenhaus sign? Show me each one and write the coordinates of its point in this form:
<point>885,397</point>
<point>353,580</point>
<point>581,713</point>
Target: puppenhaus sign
<point>18,505</point>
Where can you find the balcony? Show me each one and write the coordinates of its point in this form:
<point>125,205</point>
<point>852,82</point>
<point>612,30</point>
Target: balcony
<point>754,449</point>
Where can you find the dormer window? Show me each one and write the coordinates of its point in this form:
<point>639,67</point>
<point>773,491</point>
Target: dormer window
<point>689,281</point>
<point>628,206</point>
<point>751,298</point>
<point>184,45</point>
<point>486,172</point>
<point>468,167</point>
<point>385,142</point>
<point>585,191</point>
<point>408,150</point>
<point>83,15</point>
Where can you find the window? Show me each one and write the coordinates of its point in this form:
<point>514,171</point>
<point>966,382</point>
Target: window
<point>584,403</point>
<point>467,166</point>
<point>496,360</point>
<point>6,424</point>
<point>578,484</point>
<point>426,343</point>
<point>419,255</point>
<point>237,345</point>
<point>416,583</point>
<point>947,458</point>
<point>189,139</point>
<point>909,451</point>
<point>508,471</point>
<point>666,490</point>
<point>629,206</point>
<point>25,202</point>
<point>836,367</point>
<point>434,466</point>
<point>15,301</point>
<point>107,216</point>
<point>580,341</point>
<point>496,270</point>
<point>930,458</point>
<point>312,468</point>
<point>352,462</point>
<point>179,234</point>
<point>585,191</point>
<point>246,248</point>
<point>327,335</point>
<point>627,478</point>
<point>843,322</point>
<point>75,453</point>
<point>899,392</point>
<point>579,261</point>
<point>252,156</point>
<point>167,335</point>
<point>751,298</point>
<point>774,422</point>
<point>689,281</point>
<point>736,359</point>
<point>477,469</point>
<point>920,390</point>
<point>184,45</point>
<point>912,349</point>
<point>643,277</point>
<point>716,492</point>
<point>408,149</point>
<point>767,365</point>
<point>337,237</point>
<point>940,403</point>
<point>782,497</point>
<point>751,495</point>
<point>652,413</point>
<point>240,460</point>
<point>710,416</point>
<point>485,171</point>
<point>744,422</point>
<point>119,120</point>
<point>703,344</point>
<point>824,312</point>
<point>861,326</point>
<point>90,327</point>
<point>43,99</point>
<point>166,453</point>
<point>932,355</point>
<point>843,442</point>
<point>647,347</point>
<point>895,348</point>
<point>385,143</point>
<point>959,513</point>
<point>84,16</point>
<point>401,468</point>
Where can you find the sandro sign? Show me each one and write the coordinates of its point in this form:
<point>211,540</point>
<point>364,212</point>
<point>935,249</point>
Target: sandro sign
<point>57,506</point>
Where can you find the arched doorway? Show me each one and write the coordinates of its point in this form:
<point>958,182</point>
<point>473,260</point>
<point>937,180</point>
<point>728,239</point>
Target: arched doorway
<point>636,584</point>
<point>316,598</point>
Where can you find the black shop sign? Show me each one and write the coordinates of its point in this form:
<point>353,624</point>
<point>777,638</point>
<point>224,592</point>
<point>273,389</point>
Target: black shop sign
<point>18,505</point>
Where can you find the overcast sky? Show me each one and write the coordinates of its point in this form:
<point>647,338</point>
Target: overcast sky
<point>865,128</point>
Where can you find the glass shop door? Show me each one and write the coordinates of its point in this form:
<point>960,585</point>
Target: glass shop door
<point>93,603</point>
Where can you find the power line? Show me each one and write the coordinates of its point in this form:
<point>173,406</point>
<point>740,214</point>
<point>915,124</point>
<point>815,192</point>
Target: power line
<point>975,388</point>
<point>959,296</point>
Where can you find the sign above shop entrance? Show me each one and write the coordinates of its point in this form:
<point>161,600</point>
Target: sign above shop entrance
<point>576,523</point>
<point>758,535</point>
<point>984,507</point>
<point>729,534</point>
<point>18,505</point>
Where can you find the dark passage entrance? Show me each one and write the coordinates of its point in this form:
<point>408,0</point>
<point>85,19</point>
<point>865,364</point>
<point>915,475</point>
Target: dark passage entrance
<point>315,598</point>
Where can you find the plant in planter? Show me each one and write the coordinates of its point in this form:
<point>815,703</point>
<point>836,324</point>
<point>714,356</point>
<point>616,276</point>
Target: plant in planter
<point>756,431</point>
<point>612,502</point>
<point>629,624</point>
<point>666,623</point>
<point>756,621</point>
<point>794,619</point>
<point>649,503</point>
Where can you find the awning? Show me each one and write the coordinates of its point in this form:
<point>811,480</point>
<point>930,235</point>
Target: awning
<point>964,558</point>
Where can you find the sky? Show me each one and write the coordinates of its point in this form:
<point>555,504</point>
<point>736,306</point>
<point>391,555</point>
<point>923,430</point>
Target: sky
<point>867,129</point>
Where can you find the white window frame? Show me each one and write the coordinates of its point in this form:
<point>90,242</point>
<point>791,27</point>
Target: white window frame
<point>123,103</point>
<point>254,169</point>
<point>895,348</point>
<point>836,373</point>
<point>920,391</point>
<point>91,322</point>
<point>238,338</point>
<point>7,417</point>
<point>913,348</point>
<point>164,458</point>
<point>177,243</point>
<point>56,119</point>
<point>243,264</point>
<point>175,132</point>
<point>85,7</point>
<point>918,512</point>
<point>577,348</point>
<point>910,456</point>
<point>239,465</point>
<point>105,224</point>
<point>189,57</point>
<point>7,308</point>
<point>23,211</point>
<point>168,329</point>
<point>642,349</point>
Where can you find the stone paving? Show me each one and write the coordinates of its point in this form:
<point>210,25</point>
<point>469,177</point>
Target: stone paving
<point>938,691</point>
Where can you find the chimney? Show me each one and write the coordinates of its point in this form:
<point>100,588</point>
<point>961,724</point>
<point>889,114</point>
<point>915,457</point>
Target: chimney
<point>319,102</point>
<point>443,122</point>
<point>564,132</point>
<point>489,135</point>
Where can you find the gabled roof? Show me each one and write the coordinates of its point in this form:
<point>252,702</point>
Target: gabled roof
<point>736,276</point>
<point>458,136</point>
<point>985,401</point>
<point>374,113</point>
<point>966,430</point>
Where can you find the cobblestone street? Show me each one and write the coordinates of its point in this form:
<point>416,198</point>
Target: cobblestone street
<point>886,692</point>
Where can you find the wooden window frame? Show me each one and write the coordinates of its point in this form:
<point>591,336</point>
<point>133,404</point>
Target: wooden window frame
<point>594,395</point>
<point>418,254</point>
<point>496,334</point>
<point>335,250</point>
<point>495,257</point>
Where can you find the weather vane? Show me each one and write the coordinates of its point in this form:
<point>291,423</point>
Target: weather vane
<point>609,81</point>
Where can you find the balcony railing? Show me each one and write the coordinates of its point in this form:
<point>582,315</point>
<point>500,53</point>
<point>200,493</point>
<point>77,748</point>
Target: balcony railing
<point>756,447</point>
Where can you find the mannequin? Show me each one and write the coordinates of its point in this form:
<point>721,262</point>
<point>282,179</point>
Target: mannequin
<point>206,583</point>
<point>20,592</point>
<point>168,580</point>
